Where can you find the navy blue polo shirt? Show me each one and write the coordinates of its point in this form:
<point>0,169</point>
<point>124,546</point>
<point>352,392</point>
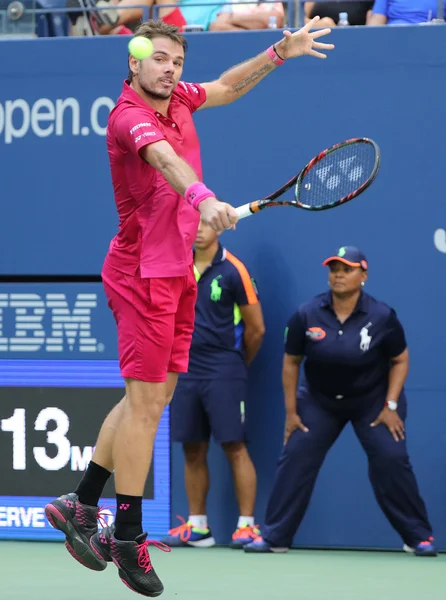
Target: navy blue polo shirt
<point>217,342</point>
<point>349,359</point>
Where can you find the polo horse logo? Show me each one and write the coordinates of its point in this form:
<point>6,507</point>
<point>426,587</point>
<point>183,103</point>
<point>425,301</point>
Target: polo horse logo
<point>216,290</point>
<point>365,338</point>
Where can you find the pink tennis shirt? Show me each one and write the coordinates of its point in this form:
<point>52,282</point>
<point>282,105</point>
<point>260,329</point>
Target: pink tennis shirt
<point>157,227</point>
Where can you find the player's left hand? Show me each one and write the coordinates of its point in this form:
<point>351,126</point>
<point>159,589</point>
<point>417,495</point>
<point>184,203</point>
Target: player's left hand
<point>303,42</point>
<point>391,419</point>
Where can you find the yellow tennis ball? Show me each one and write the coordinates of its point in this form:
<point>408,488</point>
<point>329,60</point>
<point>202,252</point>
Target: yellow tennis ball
<point>140,47</point>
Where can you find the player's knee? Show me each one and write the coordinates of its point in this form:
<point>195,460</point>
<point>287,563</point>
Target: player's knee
<point>195,452</point>
<point>146,401</point>
<point>234,450</point>
<point>172,380</point>
<point>149,413</point>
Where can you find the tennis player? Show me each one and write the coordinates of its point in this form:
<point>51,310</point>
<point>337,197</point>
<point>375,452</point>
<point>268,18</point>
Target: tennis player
<point>148,277</point>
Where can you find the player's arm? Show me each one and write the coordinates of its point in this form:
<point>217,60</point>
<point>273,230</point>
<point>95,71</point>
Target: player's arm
<point>242,78</point>
<point>236,82</point>
<point>254,330</point>
<point>162,157</point>
<point>138,133</point>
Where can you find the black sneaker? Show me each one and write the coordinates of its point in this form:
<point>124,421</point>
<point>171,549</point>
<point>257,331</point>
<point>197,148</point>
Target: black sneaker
<point>78,522</point>
<point>132,559</point>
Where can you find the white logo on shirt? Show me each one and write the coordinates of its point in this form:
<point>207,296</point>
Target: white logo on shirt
<point>189,85</point>
<point>133,129</point>
<point>365,338</point>
<point>145,134</point>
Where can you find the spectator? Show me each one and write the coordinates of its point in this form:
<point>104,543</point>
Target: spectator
<point>209,16</point>
<point>403,12</point>
<point>329,12</point>
<point>211,397</point>
<point>355,364</point>
<point>96,22</point>
<point>249,16</point>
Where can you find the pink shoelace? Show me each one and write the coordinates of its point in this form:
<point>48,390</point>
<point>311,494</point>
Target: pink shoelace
<point>143,553</point>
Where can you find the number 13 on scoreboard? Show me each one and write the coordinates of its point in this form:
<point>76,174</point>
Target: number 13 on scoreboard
<point>57,437</point>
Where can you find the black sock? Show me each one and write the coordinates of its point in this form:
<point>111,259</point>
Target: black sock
<point>92,484</point>
<point>128,517</point>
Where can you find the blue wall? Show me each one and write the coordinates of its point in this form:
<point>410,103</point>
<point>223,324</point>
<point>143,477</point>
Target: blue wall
<point>389,84</point>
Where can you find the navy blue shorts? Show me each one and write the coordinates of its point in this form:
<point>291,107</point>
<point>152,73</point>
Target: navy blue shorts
<point>201,407</point>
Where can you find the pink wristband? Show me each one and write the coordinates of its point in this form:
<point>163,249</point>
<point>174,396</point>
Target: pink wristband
<point>196,193</point>
<point>274,56</point>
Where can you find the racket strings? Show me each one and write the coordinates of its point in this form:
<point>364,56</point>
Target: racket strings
<point>337,175</point>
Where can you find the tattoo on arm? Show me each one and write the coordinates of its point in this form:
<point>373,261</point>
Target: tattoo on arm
<point>241,85</point>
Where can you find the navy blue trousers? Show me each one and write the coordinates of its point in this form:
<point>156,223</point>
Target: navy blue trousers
<point>390,471</point>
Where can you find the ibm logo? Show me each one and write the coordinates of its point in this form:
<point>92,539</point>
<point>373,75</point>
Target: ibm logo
<point>32,334</point>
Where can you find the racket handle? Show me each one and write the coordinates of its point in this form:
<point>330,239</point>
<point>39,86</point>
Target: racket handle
<point>244,211</point>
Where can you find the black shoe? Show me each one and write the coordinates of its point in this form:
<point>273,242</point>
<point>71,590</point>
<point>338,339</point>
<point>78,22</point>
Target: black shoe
<point>78,522</point>
<point>132,559</point>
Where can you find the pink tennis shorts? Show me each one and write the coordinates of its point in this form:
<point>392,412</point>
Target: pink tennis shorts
<point>155,320</point>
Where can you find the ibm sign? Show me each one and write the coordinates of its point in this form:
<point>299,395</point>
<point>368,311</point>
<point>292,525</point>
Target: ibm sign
<point>30,335</point>
<point>60,320</point>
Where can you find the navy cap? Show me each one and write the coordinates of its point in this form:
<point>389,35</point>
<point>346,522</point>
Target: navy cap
<point>349,255</point>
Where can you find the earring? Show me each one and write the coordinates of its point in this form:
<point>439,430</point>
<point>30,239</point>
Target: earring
<point>363,283</point>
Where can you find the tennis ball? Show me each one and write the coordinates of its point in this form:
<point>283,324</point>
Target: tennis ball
<point>140,47</point>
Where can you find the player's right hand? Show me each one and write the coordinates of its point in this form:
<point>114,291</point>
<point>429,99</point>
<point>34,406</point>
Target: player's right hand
<point>218,215</point>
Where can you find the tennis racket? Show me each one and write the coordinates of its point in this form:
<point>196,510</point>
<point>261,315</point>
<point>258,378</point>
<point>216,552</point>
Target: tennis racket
<point>333,177</point>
